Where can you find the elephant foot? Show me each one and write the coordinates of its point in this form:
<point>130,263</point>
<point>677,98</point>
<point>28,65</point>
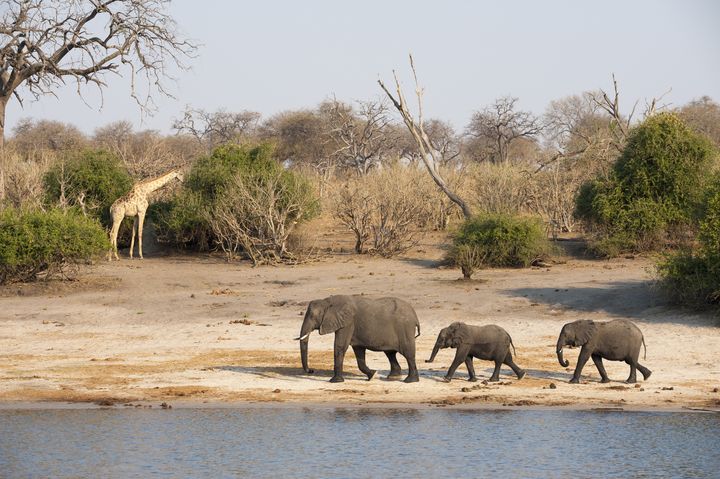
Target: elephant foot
<point>575,381</point>
<point>370,374</point>
<point>337,379</point>
<point>493,379</point>
<point>446,379</point>
<point>394,374</point>
<point>521,374</point>
<point>646,376</point>
<point>473,379</point>
<point>412,379</point>
<point>630,380</point>
<point>605,380</point>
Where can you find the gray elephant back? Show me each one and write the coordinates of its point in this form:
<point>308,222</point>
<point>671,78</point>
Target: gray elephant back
<point>621,326</point>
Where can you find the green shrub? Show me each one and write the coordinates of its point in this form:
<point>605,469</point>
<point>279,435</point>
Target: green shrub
<point>237,198</point>
<point>691,277</point>
<point>496,240</point>
<point>93,178</point>
<point>654,188</point>
<point>55,242</point>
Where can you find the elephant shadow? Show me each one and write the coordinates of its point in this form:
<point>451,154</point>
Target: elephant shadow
<point>320,375</point>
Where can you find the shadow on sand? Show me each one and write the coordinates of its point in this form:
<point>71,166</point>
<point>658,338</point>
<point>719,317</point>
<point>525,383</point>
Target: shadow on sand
<point>633,299</point>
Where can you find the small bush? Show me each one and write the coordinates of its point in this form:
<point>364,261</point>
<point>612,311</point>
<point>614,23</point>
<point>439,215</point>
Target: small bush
<point>496,240</point>
<point>54,243</point>
<point>91,180</point>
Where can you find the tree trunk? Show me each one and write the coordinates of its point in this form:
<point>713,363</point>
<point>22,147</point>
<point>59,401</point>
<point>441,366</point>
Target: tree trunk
<point>3,104</point>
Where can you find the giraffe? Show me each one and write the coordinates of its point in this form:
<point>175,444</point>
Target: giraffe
<point>135,204</point>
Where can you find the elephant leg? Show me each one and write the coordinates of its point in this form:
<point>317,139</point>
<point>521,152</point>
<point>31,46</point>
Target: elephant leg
<point>633,374</point>
<point>644,371</point>
<point>471,369</point>
<point>519,372</point>
<point>582,359</point>
<point>395,369</point>
<point>409,354</point>
<point>460,354</point>
<point>597,359</point>
<point>496,372</point>
<point>342,341</point>
<point>360,356</point>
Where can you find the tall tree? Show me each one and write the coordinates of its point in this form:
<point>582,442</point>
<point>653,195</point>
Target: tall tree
<point>46,43</point>
<point>496,127</point>
<point>212,129</point>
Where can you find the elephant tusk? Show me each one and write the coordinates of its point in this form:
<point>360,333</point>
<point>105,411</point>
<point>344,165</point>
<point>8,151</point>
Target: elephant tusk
<point>302,337</point>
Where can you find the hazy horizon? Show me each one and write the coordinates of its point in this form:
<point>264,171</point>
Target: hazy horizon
<point>291,55</point>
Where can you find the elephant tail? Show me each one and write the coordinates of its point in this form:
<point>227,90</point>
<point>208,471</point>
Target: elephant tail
<point>417,325</point>
<point>645,349</point>
<point>511,344</point>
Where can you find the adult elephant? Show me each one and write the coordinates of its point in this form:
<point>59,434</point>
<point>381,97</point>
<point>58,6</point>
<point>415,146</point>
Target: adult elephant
<point>382,324</point>
<point>616,340</point>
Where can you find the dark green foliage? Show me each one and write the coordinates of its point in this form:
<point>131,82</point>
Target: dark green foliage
<point>96,176</point>
<point>654,188</point>
<point>693,277</point>
<point>53,242</point>
<point>214,182</point>
<point>497,240</point>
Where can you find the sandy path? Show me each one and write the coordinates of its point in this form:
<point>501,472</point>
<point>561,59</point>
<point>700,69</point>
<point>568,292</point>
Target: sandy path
<point>167,329</point>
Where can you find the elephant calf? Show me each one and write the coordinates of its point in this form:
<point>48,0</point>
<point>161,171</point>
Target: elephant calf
<point>489,342</point>
<point>617,340</point>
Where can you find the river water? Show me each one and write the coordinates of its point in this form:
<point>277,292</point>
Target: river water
<point>355,442</point>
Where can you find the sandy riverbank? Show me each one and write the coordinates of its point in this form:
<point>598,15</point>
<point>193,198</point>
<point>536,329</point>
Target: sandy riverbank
<point>201,331</point>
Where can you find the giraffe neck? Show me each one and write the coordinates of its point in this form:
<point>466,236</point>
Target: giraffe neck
<point>149,186</point>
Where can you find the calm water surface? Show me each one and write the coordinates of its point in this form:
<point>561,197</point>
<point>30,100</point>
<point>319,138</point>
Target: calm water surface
<point>326,442</point>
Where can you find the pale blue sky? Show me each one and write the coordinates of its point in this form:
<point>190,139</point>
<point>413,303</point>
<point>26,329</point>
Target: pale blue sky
<point>276,55</point>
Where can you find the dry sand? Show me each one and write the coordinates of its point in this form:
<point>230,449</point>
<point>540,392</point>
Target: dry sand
<point>195,330</point>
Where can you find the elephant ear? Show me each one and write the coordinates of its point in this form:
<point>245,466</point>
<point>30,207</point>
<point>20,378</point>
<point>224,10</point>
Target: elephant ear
<point>584,330</point>
<point>336,316</point>
<point>457,335</point>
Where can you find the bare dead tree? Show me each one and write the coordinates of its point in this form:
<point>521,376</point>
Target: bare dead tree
<point>431,157</point>
<point>499,125</point>
<point>620,124</point>
<point>46,43</point>
<point>362,136</point>
<point>215,128</point>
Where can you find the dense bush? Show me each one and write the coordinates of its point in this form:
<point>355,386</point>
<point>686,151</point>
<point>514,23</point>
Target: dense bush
<point>653,190</point>
<point>238,199</point>
<point>384,209</point>
<point>55,243</point>
<point>90,179</point>
<point>497,240</point>
<point>693,277</point>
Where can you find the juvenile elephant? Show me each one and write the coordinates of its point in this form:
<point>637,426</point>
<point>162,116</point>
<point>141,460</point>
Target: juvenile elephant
<point>489,342</point>
<point>617,340</point>
<point>383,324</point>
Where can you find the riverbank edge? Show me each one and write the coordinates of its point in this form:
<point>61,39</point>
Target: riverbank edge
<point>164,405</point>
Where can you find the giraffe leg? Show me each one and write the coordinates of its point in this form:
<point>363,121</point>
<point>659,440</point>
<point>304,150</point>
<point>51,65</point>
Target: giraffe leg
<point>113,238</point>
<point>141,220</point>
<point>132,238</point>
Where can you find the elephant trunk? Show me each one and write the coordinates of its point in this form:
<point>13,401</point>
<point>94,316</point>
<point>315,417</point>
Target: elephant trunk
<point>305,331</point>
<point>434,352</point>
<point>560,344</point>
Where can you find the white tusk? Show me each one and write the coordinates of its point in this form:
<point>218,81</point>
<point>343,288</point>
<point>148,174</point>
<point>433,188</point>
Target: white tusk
<point>302,337</point>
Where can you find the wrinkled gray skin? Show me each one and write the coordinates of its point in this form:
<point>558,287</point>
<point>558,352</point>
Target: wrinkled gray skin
<point>617,340</point>
<point>489,342</point>
<point>382,324</point>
